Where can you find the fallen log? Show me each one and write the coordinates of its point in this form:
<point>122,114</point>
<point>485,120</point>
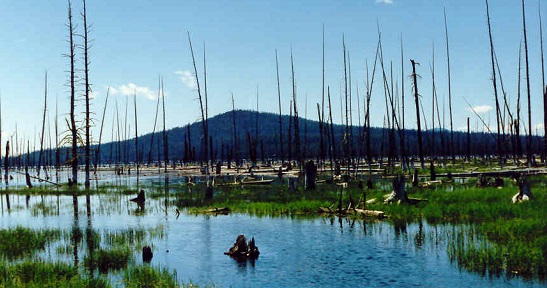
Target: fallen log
<point>40,179</point>
<point>373,213</point>
<point>222,210</point>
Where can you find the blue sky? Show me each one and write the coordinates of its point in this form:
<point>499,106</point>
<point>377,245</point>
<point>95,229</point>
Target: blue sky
<point>136,41</point>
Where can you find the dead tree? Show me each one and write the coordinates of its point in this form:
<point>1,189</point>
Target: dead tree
<point>72,82</point>
<point>280,116</point>
<point>498,139</point>
<point>417,100</point>
<point>43,129</point>
<point>529,140</point>
<point>87,97</point>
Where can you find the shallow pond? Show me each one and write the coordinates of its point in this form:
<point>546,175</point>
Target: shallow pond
<point>302,252</point>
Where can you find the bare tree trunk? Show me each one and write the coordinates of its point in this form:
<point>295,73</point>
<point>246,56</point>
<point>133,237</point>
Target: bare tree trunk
<point>73,128</point>
<point>98,155</point>
<point>494,83</point>
<point>449,93</point>
<point>236,152</point>
<point>87,98</point>
<point>416,99</point>
<point>297,153</point>
<point>201,99</point>
<point>282,155</point>
<point>137,156</point>
<point>543,84</point>
<point>155,123</point>
<point>529,141</point>
<point>43,129</point>
<point>165,139</point>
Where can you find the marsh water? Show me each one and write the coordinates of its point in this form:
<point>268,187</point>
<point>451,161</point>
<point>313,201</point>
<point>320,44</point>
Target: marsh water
<point>295,251</point>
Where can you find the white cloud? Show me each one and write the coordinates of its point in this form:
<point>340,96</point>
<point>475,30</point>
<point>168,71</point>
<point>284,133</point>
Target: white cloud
<point>385,1</point>
<point>131,88</point>
<point>481,109</point>
<point>187,78</point>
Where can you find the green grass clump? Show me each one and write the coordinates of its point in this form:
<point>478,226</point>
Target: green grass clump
<point>42,274</point>
<point>148,277</point>
<point>106,260</point>
<point>21,242</point>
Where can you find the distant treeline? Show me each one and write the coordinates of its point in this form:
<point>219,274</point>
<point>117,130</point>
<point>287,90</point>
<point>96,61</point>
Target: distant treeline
<point>185,143</point>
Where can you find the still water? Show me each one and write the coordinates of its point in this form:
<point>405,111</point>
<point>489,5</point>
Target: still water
<point>295,252</point>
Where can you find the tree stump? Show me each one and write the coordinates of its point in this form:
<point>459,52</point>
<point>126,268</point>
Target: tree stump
<point>147,254</point>
<point>311,175</point>
<point>399,193</point>
<point>415,179</point>
<point>243,250</point>
<point>524,193</point>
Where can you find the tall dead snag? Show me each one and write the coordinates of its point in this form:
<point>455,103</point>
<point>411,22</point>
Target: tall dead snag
<point>297,153</point>
<point>449,93</point>
<point>529,140</point>
<point>87,98</point>
<point>322,127</point>
<point>98,153</point>
<point>235,144</point>
<point>417,100</point>
<point>281,153</point>
<point>165,139</point>
<point>543,83</point>
<point>347,137</point>
<point>6,163</point>
<point>72,82</point>
<point>155,123</point>
<point>137,155</point>
<point>494,83</point>
<point>201,101</point>
<point>43,129</point>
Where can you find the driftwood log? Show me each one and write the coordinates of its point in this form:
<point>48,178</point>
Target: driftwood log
<point>242,250</point>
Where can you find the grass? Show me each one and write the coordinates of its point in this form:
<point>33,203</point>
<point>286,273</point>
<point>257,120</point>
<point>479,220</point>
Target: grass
<point>106,260</point>
<point>32,273</point>
<point>149,277</point>
<point>20,242</point>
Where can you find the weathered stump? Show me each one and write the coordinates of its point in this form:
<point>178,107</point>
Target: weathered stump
<point>399,193</point>
<point>524,193</point>
<point>243,250</point>
<point>311,175</point>
<point>140,199</point>
<point>432,173</point>
<point>147,254</point>
<point>415,179</point>
<point>218,168</point>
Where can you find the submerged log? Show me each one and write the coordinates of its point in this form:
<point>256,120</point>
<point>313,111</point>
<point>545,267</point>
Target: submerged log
<point>243,250</point>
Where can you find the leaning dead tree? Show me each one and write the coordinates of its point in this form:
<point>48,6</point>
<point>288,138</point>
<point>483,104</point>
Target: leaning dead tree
<point>449,91</point>
<point>494,83</point>
<point>281,153</point>
<point>201,101</point>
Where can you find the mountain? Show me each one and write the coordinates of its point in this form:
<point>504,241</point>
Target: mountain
<point>187,141</point>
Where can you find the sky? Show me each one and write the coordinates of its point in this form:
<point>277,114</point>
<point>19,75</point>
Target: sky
<point>136,42</point>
